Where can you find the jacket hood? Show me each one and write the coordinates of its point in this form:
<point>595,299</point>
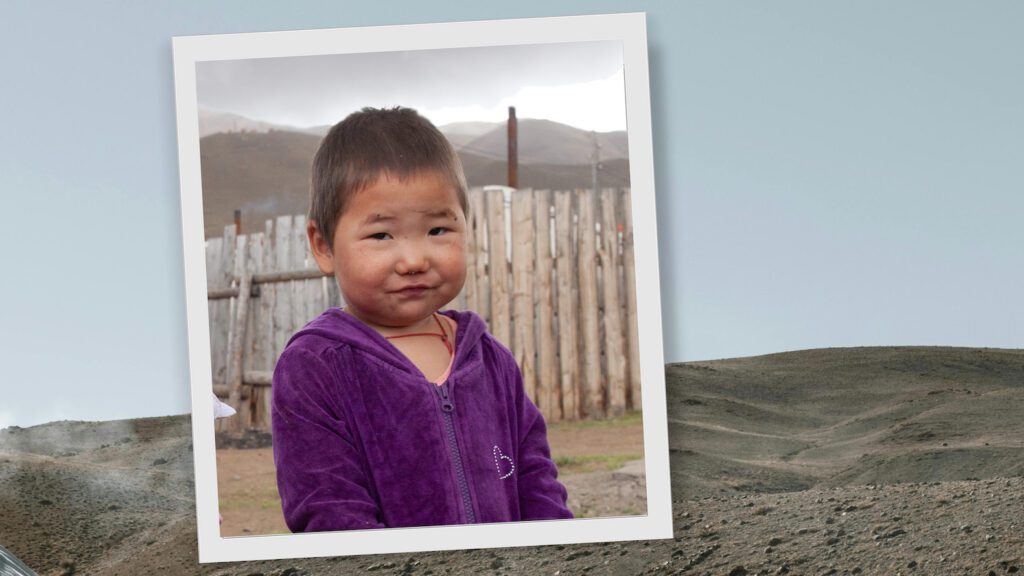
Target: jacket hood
<point>341,327</point>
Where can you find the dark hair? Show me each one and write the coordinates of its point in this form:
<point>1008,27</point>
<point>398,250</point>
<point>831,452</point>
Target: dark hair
<point>368,144</point>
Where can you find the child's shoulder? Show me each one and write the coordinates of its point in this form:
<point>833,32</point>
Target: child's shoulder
<point>321,346</point>
<point>330,333</point>
<point>327,329</point>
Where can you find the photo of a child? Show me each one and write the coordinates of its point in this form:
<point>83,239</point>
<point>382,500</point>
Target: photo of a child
<point>420,287</point>
<point>392,412</point>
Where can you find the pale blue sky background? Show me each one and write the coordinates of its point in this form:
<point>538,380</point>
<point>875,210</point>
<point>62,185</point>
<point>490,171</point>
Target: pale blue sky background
<point>829,174</point>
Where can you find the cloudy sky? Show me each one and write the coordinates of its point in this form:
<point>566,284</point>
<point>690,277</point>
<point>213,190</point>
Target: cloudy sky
<point>580,84</point>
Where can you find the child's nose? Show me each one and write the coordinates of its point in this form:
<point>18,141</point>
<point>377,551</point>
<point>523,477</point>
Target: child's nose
<point>412,260</point>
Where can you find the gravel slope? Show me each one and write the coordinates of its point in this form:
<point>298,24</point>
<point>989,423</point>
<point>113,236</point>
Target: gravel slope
<point>866,461</point>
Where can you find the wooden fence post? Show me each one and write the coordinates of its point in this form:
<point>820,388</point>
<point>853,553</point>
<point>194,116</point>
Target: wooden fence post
<point>568,306</point>
<point>629,283</point>
<point>498,267</point>
<point>255,350</point>
<point>303,291</point>
<point>268,299</point>
<point>283,296</point>
<point>220,319</point>
<point>468,297</point>
<point>523,254</point>
<point>236,337</point>
<point>593,393</point>
<point>481,304</point>
<point>213,249</point>
<point>547,375</point>
<point>614,354</point>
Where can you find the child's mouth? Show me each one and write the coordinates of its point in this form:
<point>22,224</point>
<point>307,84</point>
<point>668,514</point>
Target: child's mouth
<point>413,291</point>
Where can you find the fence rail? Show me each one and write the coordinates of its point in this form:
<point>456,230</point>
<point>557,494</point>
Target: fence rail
<point>560,295</point>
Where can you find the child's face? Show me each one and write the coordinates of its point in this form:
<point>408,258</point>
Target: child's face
<point>399,250</point>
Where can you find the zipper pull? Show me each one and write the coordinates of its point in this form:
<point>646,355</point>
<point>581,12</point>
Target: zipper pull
<point>446,403</point>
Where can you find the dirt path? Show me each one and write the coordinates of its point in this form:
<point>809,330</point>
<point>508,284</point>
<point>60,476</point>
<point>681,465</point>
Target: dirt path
<point>590,458</point>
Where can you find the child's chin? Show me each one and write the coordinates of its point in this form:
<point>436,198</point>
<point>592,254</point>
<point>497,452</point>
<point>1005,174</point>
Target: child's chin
<point>400,319</point>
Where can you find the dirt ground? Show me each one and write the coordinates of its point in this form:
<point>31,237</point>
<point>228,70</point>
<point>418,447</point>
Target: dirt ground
<point>824,462</point>
<point>601,464</point>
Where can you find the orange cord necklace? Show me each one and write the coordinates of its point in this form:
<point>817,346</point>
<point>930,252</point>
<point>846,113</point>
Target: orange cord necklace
<point>443,335</point>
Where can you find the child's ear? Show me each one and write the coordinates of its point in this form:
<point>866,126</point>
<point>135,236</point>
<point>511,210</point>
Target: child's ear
<point>320,248</point>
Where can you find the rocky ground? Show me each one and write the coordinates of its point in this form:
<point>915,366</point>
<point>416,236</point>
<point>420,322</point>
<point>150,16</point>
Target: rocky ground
<point>856,461</point>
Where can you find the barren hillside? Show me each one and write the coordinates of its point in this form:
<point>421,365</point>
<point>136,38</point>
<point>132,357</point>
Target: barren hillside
<point>845,461</point>
<point>840,417</point>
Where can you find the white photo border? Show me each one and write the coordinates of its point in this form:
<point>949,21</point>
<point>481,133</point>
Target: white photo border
<point>630,29</point>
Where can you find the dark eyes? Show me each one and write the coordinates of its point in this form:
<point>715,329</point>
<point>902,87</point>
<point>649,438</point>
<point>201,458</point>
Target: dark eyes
<point>436,231</point>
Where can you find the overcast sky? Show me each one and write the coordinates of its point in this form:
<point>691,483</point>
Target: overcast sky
<point>579,83</point>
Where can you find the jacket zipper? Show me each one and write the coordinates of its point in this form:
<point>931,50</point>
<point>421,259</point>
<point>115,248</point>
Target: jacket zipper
<point>447,408</point>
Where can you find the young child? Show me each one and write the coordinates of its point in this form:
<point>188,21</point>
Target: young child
<point>388,412</point>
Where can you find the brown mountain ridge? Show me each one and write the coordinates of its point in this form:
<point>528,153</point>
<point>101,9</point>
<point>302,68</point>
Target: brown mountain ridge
<point>266,173</point>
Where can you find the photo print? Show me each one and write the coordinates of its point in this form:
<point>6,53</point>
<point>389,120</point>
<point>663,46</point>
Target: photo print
<point>550,122</point>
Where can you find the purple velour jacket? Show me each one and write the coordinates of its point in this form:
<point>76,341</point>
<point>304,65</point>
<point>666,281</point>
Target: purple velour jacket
<point>362,440</point>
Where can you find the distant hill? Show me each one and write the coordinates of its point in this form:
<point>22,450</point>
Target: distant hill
<point>540,141</point>
<point>840,417</point>
<point>266,174</point>
<point>262,174</point>
<point>469,129</point>
<point>213,122</point>
<point>544,141</point>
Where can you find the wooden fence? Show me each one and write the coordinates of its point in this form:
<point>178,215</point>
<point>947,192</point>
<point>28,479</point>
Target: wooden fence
<point>564,300</point>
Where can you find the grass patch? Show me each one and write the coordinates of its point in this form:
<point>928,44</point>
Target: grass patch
<point>265,499</point>
<point>244,503</point>
<point>628,419</point>
<point>593,463</point>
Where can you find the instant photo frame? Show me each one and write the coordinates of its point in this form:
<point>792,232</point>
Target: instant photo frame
<point>629,30</point>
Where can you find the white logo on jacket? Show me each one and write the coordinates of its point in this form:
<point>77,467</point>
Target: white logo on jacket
<point>498,457</point>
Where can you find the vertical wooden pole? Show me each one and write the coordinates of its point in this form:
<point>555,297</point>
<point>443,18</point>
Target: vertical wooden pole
<point>592,393</point>
<point>469,290</point>
<point>523,254</point>
<point>254,350</point>
<point>568,306</point>
<point>513,148</point>
<point>283,295</point>
<point>547,374</point>
<point>213,252</point>
<point>629,284</point>
<point>312,289</point>
<point>468,295</point>
<point>615,351</point>
<point>301,305</point>
<point>498,264</point>
<point>268,298</point>
<point>236,342</point>
<point>213,275</point>
<point>225,307</point>
<point>482,305</point>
